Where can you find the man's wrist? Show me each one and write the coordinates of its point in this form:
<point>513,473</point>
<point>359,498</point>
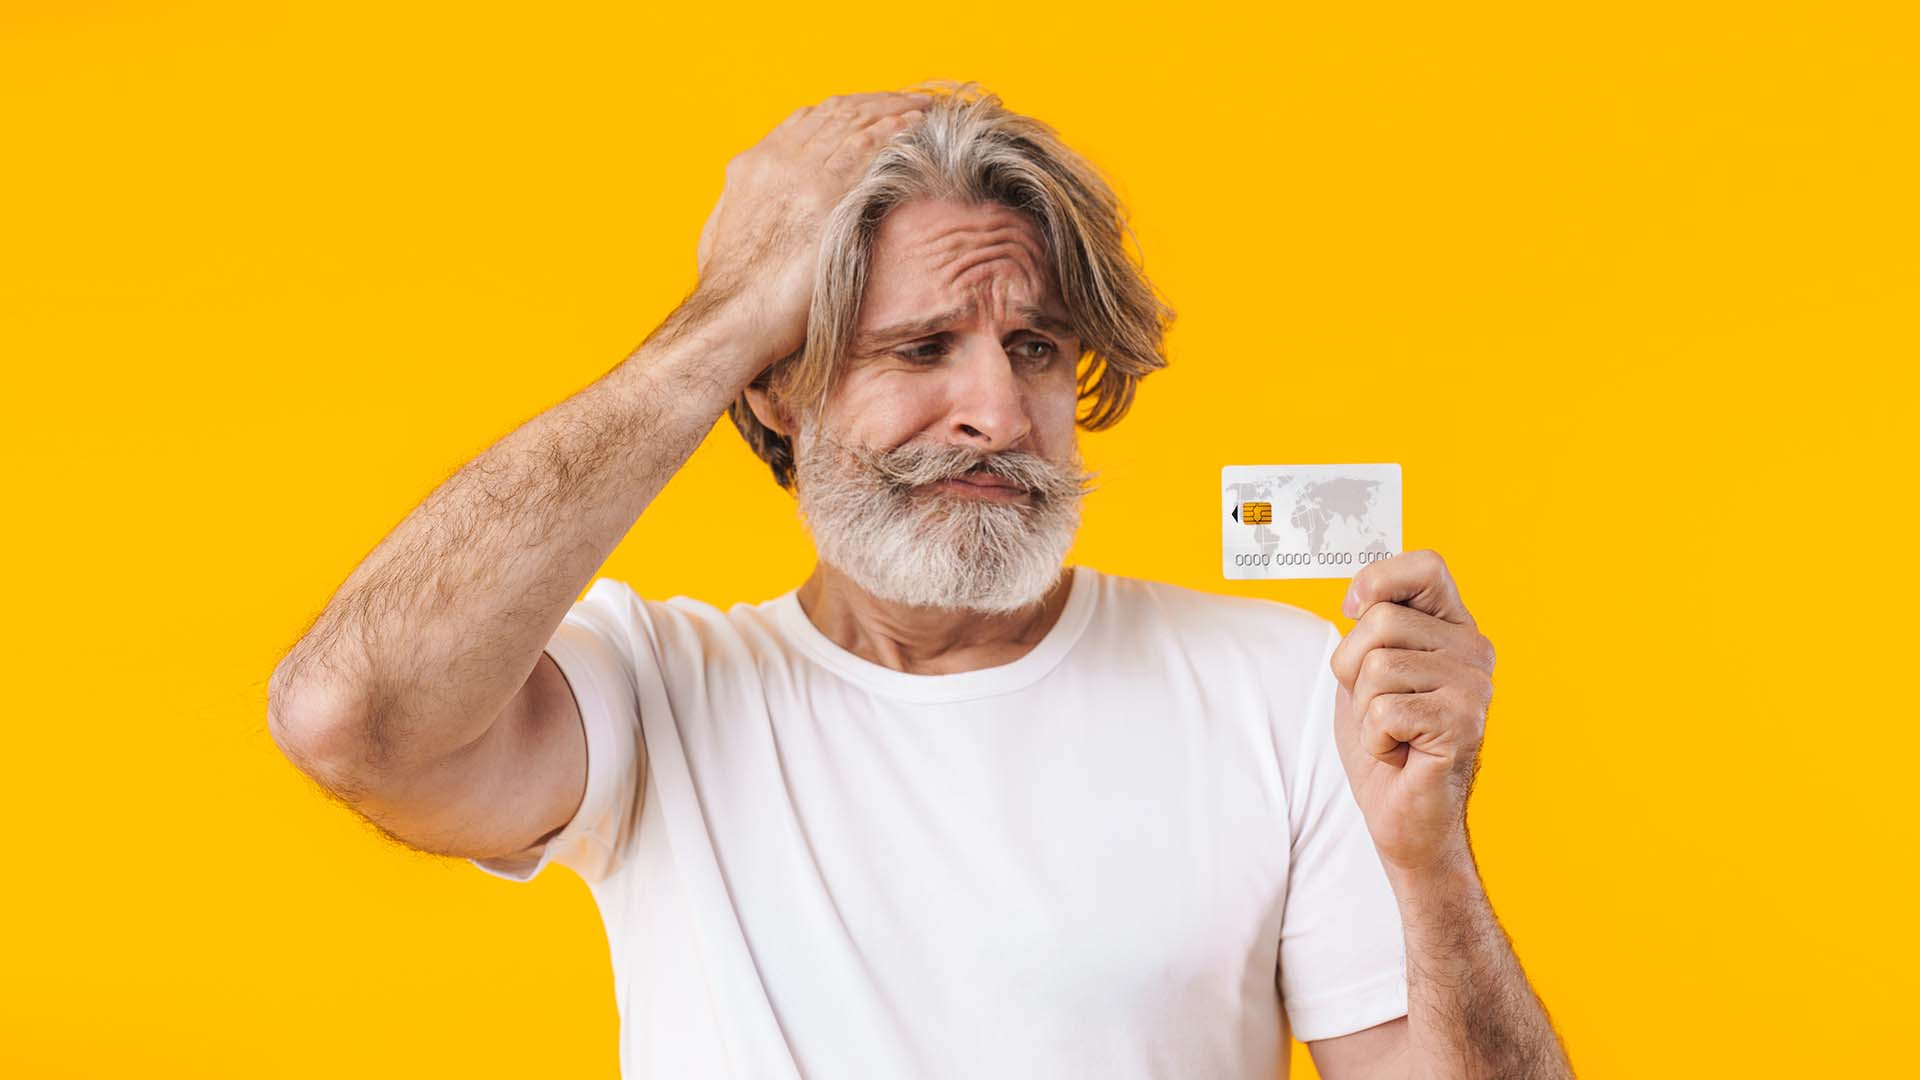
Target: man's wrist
<point>1439,884</point>
<point>710,347</point>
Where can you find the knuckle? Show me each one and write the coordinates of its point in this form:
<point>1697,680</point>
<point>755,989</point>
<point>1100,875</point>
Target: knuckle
<point>1382,710</point>
<point>1375,664</point>
<point>1380,617</point>
<point>1344,652</point>
<point>1370,716</point>
<point>1373,616</point>
<point>1368,665</point>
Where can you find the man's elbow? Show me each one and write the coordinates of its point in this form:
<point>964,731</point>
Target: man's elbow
<point>321,730</point>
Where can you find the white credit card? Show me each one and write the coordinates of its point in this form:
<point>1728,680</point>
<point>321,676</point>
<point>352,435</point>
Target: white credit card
<point>1307,521</point>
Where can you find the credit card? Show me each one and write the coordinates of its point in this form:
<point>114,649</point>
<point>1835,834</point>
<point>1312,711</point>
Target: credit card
<point>1307,521</point>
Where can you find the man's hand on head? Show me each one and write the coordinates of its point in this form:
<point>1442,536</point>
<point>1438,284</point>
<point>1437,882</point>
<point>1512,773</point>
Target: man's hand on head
<point>761,241</point>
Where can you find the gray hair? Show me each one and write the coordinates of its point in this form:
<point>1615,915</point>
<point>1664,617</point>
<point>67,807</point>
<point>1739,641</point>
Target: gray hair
<point>972,149</point>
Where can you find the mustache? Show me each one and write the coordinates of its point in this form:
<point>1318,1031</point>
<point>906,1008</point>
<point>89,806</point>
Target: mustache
<point>912,464</point>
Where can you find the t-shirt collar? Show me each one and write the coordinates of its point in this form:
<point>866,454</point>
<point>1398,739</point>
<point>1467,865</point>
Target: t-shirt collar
<point>800,631</point>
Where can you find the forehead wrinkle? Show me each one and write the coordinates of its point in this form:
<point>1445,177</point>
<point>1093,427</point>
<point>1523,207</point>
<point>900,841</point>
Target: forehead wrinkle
<point>958,242</point>
<point>984,268</point>
<point>994,296</point>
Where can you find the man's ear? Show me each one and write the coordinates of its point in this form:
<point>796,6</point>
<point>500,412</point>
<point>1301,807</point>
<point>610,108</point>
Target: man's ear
<point>772,415</point>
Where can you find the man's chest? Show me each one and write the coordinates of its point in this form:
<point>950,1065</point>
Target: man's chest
<point>1026,856</point>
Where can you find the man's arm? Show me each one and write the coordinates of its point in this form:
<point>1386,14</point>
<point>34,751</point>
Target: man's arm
<point>439,627</point>
<point>436,632</point>
<point>1415,681</point>
<point>1470,1009</point>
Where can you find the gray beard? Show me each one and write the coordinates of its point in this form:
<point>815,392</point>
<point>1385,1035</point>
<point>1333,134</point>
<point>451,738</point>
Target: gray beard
<point>930,548</point>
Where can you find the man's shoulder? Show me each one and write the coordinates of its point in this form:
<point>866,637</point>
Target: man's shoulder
<point>611,602</point>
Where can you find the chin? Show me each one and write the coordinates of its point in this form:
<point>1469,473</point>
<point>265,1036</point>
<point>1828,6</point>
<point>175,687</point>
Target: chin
<point>999,601</point>
<point>982,576</point>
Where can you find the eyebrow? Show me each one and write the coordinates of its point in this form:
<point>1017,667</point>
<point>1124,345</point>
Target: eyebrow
<point>933,324</point>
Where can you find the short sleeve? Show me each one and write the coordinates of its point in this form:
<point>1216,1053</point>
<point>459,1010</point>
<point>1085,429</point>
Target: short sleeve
<point>1343,964</point>
<point>592,647</point>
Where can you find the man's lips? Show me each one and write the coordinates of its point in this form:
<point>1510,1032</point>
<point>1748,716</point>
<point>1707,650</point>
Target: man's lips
<point>985,480</point>
<point>984,485</point>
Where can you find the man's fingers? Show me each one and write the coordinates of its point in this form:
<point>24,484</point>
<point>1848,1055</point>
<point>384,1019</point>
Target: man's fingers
<point>1411,671</point>
<point>1391,719</point>
<point>836,118</point>
<point>1403,671</point>
<point>1398,626</point>
<point>1421,721</point>
<point>859,147</point>
<point>1419,579</point>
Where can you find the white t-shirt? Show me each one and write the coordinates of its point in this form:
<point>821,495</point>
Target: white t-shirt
<point>1122,855</point>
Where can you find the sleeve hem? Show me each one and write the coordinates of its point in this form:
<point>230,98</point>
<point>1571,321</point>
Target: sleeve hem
<point>570,649</point>
<point>1356,1008</point>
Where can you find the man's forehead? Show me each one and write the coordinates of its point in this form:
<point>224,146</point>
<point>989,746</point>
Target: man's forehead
<point>921,220</point>
<point>937,264</point>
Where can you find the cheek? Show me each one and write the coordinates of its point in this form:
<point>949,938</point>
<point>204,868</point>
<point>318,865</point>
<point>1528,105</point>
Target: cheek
<point>1056,404</point>
<point>884,411</point>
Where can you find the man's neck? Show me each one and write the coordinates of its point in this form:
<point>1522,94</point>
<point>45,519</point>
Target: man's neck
<point>925,641</point>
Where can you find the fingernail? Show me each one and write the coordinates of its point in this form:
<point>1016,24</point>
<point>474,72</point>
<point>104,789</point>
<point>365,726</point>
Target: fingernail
<point>1350,607</point>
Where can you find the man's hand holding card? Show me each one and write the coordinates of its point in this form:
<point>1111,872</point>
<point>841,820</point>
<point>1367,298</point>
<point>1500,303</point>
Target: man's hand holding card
<point>1415,674</point>
<point>1415,680</point>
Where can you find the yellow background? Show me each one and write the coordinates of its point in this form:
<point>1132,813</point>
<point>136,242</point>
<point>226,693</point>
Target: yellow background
<point>1629,293</point>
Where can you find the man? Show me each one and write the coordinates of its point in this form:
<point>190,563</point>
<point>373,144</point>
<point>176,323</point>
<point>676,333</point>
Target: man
<point>949,807</point>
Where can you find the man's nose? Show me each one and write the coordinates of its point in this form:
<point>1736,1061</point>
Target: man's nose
<point>988,407</point>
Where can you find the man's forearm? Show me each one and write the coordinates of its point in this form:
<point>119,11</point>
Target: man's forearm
<point>436,630</point>
<point>1470,1011</point>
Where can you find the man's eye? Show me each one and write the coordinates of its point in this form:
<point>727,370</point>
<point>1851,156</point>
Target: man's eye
<point>1047,349</point>
<point>921,353</point>
<point>1036,349</point>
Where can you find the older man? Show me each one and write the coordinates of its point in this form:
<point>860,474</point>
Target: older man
<point>949,807</point>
